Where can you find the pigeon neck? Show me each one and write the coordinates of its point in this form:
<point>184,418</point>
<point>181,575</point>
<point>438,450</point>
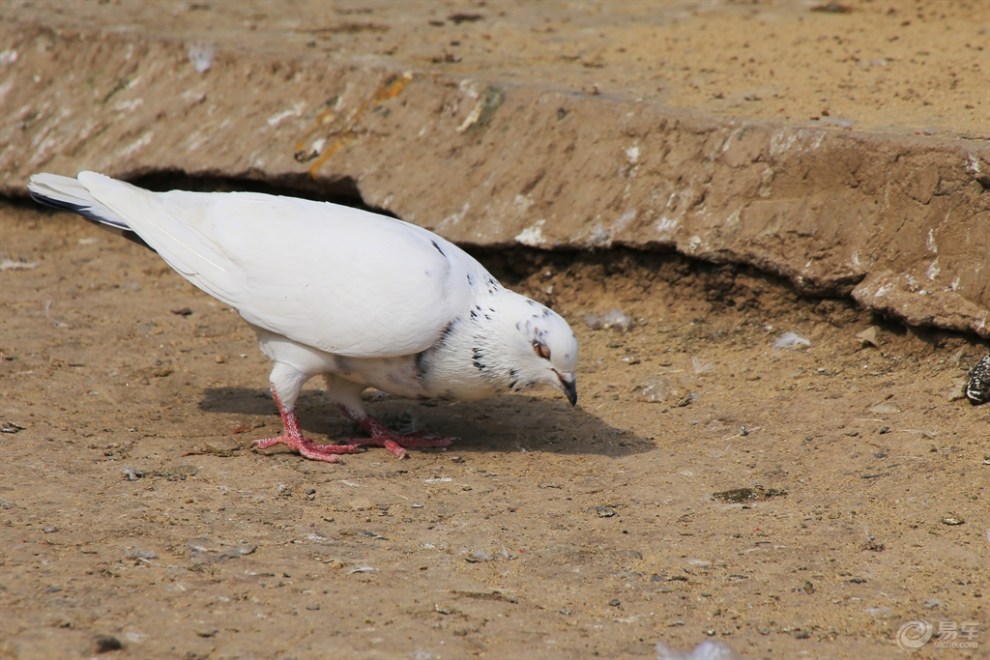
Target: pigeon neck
<point>495,338</point>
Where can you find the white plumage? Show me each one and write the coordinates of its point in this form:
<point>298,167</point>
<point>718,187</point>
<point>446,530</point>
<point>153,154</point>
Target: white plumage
<point>364,299</point>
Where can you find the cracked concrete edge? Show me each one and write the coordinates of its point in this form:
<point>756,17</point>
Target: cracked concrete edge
<point>900,223</point>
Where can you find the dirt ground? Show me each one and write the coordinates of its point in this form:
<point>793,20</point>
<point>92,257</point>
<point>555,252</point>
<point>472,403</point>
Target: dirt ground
<point>134,508</point>
<point>900,65</point>
<point>811,500</point>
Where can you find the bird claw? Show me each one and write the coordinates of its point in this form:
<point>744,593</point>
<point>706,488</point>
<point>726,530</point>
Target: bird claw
<point>328,453</point>
<point>381,436</point>
<point>293,438</point>
<point>397,443</point>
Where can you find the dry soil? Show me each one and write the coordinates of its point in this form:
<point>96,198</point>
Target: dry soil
<point>804,501</point>
<point>134,507</point>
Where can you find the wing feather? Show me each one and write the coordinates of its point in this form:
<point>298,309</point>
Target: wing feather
<point>343,280</point>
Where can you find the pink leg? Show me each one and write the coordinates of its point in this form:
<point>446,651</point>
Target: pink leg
<point>396,443</point>
<point>293,438</point>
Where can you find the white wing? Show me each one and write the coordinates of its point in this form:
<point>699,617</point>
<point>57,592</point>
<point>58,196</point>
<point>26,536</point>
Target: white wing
<point>339,279</point>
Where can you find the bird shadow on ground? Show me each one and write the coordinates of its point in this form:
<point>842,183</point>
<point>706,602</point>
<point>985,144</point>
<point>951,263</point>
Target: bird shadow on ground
<point>508,423</point>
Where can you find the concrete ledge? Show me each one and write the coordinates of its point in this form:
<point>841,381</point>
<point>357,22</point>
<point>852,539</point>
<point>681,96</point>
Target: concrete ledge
<point>901,223</point>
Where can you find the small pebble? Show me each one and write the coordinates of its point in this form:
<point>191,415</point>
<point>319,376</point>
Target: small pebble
<point>832,8</point>
<point>791,340</point>
<point>869,337</point>
<point>873,545</point>
<point>362,569</point>
<point>361,504</point>
<point>10,427</point>
<point>660,389</point>
<point>106,644</point>
<point>239,550</point>
<point>372,535</point>
<point>131,474</point>
<point>142,555</point>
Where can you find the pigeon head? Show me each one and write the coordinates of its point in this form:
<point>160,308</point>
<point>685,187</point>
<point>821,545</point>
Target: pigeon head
<point>542,348</point>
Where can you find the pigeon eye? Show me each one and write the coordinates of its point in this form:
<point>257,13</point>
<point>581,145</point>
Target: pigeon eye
<point>542,350</point>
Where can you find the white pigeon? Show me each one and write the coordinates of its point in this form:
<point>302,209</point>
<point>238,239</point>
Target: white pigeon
<point>361,298</point>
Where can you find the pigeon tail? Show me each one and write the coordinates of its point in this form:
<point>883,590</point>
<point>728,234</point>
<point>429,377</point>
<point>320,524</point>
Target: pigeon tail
<point>63,192</point>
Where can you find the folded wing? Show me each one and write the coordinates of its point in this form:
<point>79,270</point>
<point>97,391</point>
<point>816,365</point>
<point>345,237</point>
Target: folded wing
<point>336,278</point>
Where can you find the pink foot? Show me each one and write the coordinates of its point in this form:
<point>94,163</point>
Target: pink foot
<point>308,448</point>
<point>396,443</point>
<point>293,438</point>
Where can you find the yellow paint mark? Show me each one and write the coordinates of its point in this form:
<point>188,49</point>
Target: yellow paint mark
<point>325,156</point>
<point>393,88</point>
<point>322,119</point>
<point>325,117</point>
<point>324,122</point>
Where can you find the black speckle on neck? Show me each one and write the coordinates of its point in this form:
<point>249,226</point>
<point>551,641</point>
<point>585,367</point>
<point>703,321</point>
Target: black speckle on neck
<point>421,365</point>
<point>446,332</point>
<point>478,359</point>
<point>513,379</point>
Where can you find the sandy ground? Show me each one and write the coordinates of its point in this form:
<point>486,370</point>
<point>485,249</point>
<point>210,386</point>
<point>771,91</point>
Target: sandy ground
<point>135,509</point>
<point>901,65</point>
<point>790,502</point>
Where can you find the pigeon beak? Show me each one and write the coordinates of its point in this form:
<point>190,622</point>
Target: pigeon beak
<point>568,385</point>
